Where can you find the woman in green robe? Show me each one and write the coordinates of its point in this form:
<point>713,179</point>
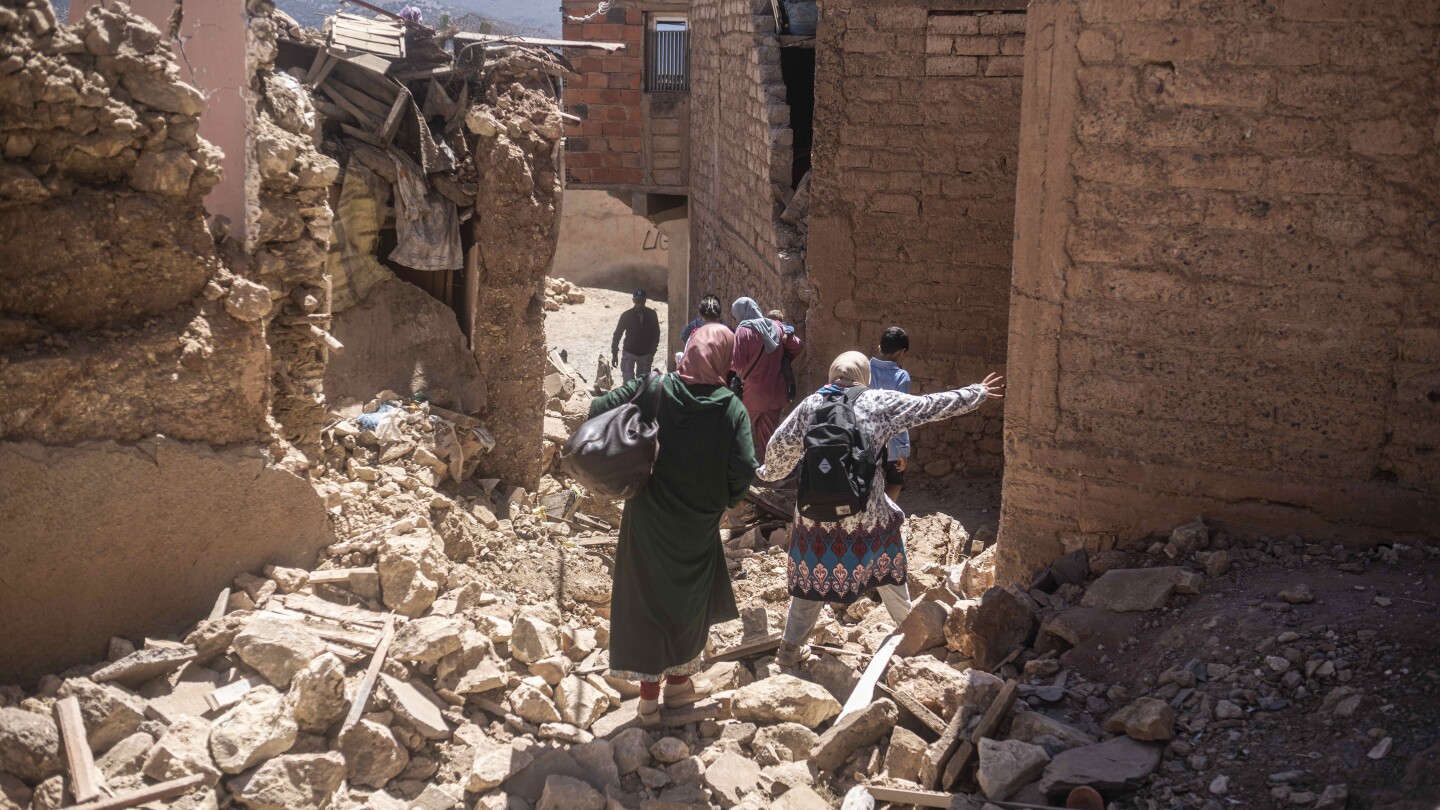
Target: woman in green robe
<point>671,583</point>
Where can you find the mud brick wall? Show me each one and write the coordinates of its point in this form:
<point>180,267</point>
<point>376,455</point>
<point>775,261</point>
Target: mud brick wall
<point>1227,273</point>
<point>605,148</point>
<point>740,146</point>
<point>917,130</point>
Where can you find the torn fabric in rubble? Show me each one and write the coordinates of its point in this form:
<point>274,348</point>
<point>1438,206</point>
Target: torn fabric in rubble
<point>427,225</point>
<point>354,234</point>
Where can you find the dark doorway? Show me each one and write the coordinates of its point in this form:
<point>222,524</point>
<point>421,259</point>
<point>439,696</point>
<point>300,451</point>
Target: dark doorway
<point>797,67</point>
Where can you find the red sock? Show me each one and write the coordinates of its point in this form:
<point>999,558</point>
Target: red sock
<point>675,680</point>
<point>649,690</point>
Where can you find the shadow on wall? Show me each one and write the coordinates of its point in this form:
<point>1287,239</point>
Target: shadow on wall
<point>603,244</point>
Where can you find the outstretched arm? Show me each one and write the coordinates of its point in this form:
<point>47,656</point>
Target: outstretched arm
<point>787,444</point>
<point>903,411</point>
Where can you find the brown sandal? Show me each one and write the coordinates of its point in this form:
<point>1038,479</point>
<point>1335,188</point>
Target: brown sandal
<point>651,718</point>
<point>686,693</point>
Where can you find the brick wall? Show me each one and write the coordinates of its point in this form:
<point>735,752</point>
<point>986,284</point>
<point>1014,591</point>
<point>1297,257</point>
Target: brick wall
<point>628,138</point>
<point>1227,273</point>
<point>917,129</point>
<point>740,159</point>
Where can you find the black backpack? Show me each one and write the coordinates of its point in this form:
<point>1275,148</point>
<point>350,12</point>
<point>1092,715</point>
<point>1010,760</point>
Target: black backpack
<point>837,468</point>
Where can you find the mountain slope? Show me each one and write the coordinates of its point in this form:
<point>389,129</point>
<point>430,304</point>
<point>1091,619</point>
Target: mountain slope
<point>505,16</point>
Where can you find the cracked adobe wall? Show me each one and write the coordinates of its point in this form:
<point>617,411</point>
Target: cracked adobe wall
<point>1227,274</point>
<point>917,129</point>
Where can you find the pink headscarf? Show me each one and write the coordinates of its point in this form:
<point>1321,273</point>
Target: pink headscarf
<point>707,355</point>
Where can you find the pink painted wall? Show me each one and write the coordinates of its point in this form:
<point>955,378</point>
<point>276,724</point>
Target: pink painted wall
<point>212,57</point>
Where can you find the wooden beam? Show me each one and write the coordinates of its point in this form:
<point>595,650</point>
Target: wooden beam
<point>749,648</point>
<point>164,790</point>
<point>357,97</point>
<point>362,696</point>
<point>230,694</point>
<point>83,782</point>
<point>903,796</point>
<point>926,717</point>
<point>864,692</point>
<point>320,68</point>
<point>608,47</point>
<point>989,722</point>
<point>943,750</point>
<point>340,576</point>
<point>395,117</point>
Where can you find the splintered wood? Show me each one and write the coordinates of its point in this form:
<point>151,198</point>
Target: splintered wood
<point>989,723</point>
<point>84,778</point>
<point>362,695</point>
<point>864,691</point>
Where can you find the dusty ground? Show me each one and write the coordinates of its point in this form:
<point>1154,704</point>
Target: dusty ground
<point>583,331</point>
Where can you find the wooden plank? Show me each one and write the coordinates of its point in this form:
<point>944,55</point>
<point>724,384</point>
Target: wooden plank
<point>365,119</point>
<point>341,576</point>
<point>840,651</point>
<point>375,83</point>
<point>334,111</point>
<point>609,47</point>
<point>395,117</point>
<point>864,692</point>
<point>84,782</point>
<point>926,717</point>
<point>903,796</point>
<point>345,654</point>
<point>320,67</point>
<point>221,603</point>
<point>315,606</point>
<point>989,722</point>
<point>362,696</point>
<point>943,749</point>
<point>357,97</point>
<point>749,648</point>
<point>164,790</point>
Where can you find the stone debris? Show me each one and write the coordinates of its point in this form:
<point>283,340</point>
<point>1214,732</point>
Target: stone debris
<point>559,292</point>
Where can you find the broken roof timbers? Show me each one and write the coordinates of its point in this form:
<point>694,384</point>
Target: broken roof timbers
<point>383,38</point>
<point>610,47</point>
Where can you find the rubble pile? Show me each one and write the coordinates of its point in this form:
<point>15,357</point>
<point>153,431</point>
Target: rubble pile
<point>559,292</point>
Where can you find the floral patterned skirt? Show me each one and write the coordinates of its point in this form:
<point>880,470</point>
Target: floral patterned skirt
<point>830,564</point>
<point>643,677</point>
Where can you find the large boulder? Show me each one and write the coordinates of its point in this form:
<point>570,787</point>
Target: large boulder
<point>277,649</point>
<point>111,714</point>
<point>372,754</point>
<point>290,782</point>
<point>317,694</point>
<point>183,750</point>
<point>259,727</point>
<point>784,699</point>
<point>411,567</point>
<point>1114,768</point>
<point>992,627</point>
<point>29,745</point>
<point>1008,765</point>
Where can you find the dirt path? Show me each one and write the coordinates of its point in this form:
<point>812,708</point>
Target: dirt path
<point>583,331</point>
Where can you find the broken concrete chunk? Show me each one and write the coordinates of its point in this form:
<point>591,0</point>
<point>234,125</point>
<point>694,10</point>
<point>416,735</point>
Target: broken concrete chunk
<point>111,714</point>
<point>1006,766</point>
<point>372,754</point>
<point>29,745</point>
<point>291,781</point>
<point>182,751</point>
<point>426,641</point>
<point>259,727</point>
<point>277,649</point>
<point>1147,719</point>
<point>144,665</point>
<point>784,699</point>
<point>853,731</point>
<point>317,694</point>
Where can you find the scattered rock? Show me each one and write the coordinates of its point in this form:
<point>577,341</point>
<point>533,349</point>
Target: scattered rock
<point>372,754</point>
<point>800,797</point>
<point>426,641</point>
<point>414,703</point>
<point>291,781</point>
<point>1297,595</point>
<point>1008,765</point>
<point>923,628</point>
<point>1132,589</point>
<point>183,750</point>
<point>857,729</point>
<point>1115,767</point>
<point>941,688</point>
<point>905,755</point>
<point>732,777</point>
<point>1146,719</point>
<point>632,750</point>
<point>277,649</point>
<point>532,703</point>
<point>29,745</point>
<point>494,763</point>
<point>784,742</point>
<point>534,640</point>
<point>579,702</point>
<point>411,568</point>
<point>259,727</point>
<point>1031,727</point>
<point>989,629</point>
<point>669,749</point>
<point>140,666</point>
<point>111,714</point>
<point>784,699</point>
<point>317,694</point>
<point>565,793</point>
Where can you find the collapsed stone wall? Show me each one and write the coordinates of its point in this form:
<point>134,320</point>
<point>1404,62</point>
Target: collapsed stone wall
<point>518,133</point>
<point>913,188</point>
<point>1227,281</point>
<point>740,160</point>
<point>288,233</point>
<point>121,320</point>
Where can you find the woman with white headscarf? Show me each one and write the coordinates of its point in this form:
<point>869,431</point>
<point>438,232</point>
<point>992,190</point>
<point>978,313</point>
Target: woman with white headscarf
<point>843,560</point>
<point>761,348</point>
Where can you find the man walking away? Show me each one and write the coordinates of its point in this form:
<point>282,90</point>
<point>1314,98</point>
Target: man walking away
<point>641,328</point>
<point>887,375</point>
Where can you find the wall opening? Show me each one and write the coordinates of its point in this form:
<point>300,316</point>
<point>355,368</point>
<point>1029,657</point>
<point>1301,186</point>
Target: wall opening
<point>797,66</point>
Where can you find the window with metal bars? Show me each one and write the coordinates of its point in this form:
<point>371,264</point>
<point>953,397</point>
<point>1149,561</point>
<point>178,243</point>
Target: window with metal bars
<point>667,55</point>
